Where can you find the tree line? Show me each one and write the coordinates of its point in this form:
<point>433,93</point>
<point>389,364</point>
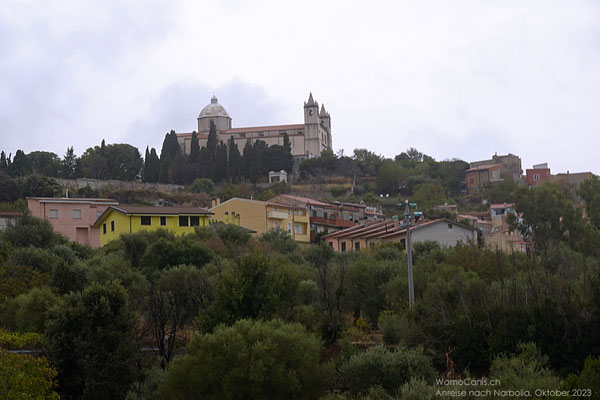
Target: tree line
<point>217,161</point>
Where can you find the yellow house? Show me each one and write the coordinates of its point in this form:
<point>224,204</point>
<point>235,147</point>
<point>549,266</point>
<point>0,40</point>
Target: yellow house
<point>130,219</point>
<point>247,213</point>
<point>292,219</point>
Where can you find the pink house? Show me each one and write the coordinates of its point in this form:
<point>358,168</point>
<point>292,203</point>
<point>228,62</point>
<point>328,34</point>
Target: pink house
<point>71,217</point>
<point>538,174</point>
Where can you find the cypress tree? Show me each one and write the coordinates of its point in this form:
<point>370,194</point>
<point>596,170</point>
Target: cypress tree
<point>246,159</point>
<point>146,157</point>
<point>220,171</point>
<point>3,163</point>
<point>286,143</point>
<point>195,148</point>
<point>234,167</point>
<point>151,166</point>
<point>211,152</point>
<point>170,150</point>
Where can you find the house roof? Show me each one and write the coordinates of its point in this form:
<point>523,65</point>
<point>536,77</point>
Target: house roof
<point>78,200</point>
<point>152,210</point>
<point>238,199</point>
<point>272,203</point>
<point>504,205</point>
<point>301,199</point>
<point>426,224</point>
<point>385,229</point>
<point>361,228</point>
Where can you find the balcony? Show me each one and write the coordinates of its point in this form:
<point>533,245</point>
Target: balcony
<point>336,222</point>
<point>277,215</point>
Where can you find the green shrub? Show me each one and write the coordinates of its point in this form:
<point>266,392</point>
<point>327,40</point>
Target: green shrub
<point>17,279</point>
<point>279,240</point>
<point>147,388</point>
<point>21,341</point>
<point>589,378</point>
<point>30,231</point>
<point>390,326</point>
<point>202,185</point>
<point>251,359</point>
<point>388,369</point>
<point>417,389</point>
<point>27,312</point>
<point>526,370</point>
<point>41,259</point>
<point>232,234</point>
<point>26,377</point>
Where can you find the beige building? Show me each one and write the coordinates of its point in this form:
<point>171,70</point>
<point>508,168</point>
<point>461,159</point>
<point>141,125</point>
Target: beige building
<point>247,213</point>
<point>307,139</point>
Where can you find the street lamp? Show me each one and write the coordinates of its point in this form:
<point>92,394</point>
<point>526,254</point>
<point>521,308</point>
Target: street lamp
<point>411,286</point>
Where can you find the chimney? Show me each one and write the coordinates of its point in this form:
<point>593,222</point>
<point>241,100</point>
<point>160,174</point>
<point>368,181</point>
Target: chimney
<point>218,200</point>
<point>213,203</point>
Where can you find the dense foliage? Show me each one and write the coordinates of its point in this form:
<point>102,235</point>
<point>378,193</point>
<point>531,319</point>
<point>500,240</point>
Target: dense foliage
<point>263,360</point>
<point>112,320</point>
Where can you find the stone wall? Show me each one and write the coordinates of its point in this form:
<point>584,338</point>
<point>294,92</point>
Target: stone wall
<point>101,184</point>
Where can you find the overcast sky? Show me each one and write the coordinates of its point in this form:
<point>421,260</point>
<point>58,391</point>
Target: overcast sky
<point>455,79</point>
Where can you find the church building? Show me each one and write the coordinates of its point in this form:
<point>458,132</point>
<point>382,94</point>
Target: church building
<point>308,139</point>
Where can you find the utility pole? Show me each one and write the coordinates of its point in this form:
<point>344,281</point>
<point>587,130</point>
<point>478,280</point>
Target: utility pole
<point>411,286</point>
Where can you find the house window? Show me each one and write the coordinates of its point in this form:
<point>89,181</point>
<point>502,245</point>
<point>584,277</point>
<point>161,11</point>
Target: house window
<point>297,229</point>
<point>314,213</point>
<point>343,246</point>
<point>195,220</point>
<point>357,246</point>
<point>77,214</point>
<point>536,177</point>
<point>275,225</point>
<point>350,217</point>
<point>53,213</point>
<point>183,220</point>
<point>324,215</point>
<point>289,227</point>
<point>163,221</point>
<point>112,226</point>
<point>104,229</point>
<point>146,220</point>
<point>330,244</point>
<point>471,181</point>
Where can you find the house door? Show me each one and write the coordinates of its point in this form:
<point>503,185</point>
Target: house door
<point>81,235</point>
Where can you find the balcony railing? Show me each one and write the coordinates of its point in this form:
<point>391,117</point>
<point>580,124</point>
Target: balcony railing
<point>331,222</point>
<point>277,215</point>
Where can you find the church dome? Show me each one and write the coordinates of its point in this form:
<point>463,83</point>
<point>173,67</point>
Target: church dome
<point>214,109</point>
